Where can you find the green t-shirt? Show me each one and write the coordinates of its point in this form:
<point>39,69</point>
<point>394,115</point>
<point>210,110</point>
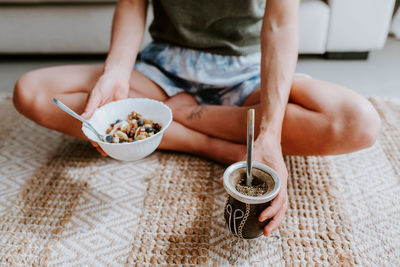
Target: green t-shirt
<point>228,27</point>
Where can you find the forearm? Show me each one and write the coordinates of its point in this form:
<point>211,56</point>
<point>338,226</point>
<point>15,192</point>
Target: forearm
<point>127,34</point>
<point>279,46</point>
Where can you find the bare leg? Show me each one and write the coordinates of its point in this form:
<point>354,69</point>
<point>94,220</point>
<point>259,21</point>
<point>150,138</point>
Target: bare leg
<point>321,118</point>
<point>72,84</point>
<point>193,142</point>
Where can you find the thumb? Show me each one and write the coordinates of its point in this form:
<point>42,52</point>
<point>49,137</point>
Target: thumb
<point>93,103</point>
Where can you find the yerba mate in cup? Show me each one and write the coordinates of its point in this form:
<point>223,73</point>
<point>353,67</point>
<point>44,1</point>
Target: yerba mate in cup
<point>242,211</point>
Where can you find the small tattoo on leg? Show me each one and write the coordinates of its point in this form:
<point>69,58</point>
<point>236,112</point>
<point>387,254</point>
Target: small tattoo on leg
<point>197,112</point>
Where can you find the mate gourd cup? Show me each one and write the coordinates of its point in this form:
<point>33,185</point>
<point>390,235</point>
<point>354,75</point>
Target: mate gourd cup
<point>241,211</point>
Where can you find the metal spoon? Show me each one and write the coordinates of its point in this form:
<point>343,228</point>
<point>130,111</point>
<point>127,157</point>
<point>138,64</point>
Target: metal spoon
<point>76,116</point>
<point>250,141</point>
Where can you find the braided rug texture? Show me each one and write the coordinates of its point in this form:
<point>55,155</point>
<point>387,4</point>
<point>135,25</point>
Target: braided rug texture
<point>61,204</point>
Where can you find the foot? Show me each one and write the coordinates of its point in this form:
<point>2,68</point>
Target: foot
<point>180,138</point>
<point>181,100</point>
<point>223,151</point>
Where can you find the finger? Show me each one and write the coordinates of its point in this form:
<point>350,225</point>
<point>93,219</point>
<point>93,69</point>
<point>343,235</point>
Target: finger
<point>104,154</point>
<point>94,143</point>
<point>220,180</point>
<point>93,103</point>
<point>276,221</point>
<point>273,209</point>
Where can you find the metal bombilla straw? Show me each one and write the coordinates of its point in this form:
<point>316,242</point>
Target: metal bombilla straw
<point>250,141</point>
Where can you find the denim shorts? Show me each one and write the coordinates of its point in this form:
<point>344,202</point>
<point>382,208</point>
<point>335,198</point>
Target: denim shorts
<point>211,78</point>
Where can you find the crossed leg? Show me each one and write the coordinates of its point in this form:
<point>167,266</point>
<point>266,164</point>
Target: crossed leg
<point>321,118</point>
<point>72,84</point>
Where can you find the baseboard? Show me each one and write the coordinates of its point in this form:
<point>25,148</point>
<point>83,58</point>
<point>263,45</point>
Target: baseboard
<point>347,55</point>
<point>51,57</point>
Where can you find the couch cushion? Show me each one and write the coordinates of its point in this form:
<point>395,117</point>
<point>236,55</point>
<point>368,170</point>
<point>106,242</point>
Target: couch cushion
<point>314,23</point>
<point>358,25</point>
<point>55,1</point>
<point>55,28</point>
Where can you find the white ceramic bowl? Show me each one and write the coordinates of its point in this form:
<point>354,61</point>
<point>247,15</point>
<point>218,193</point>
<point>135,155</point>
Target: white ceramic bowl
<point>109,113</point>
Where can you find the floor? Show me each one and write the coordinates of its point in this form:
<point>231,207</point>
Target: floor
<point>379,75</point>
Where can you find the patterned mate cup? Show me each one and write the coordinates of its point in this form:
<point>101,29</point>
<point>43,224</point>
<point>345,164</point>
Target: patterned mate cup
<point>242,211</point>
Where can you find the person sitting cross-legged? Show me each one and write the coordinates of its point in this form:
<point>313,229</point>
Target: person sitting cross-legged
<point>211,61</point>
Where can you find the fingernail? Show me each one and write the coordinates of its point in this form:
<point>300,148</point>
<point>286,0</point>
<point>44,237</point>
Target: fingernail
<point>263,218</point>
<point>265,233</point>
<point>84,115</point>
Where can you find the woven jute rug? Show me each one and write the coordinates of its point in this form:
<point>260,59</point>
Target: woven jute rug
<point>61,204</point>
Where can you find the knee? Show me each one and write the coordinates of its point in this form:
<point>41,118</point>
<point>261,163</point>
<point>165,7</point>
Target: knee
<point>26,95</point>
<point>356,127</point>
<point>369,125</point>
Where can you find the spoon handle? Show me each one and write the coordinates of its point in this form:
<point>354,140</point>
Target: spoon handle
<point>250,141</point>
<point>76,116</point>
<point>68,110</point>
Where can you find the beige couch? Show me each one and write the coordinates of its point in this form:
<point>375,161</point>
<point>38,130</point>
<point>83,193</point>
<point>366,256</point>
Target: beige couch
<point>83,26</point>
<point>55,26</point>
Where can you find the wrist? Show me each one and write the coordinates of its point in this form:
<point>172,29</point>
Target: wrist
<point>117,65</point>
<point>269,137</point>
<point>270,128</point>
<point>271,124</point>
<point>117,71</point>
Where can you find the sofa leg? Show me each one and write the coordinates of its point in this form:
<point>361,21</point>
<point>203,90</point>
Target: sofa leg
<point>347,55</point>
